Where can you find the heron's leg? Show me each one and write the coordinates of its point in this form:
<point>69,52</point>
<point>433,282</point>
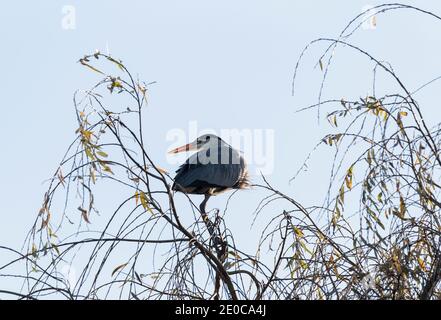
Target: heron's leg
<point>218,242</point>
<point>203,204</point>
<point>204,215</point>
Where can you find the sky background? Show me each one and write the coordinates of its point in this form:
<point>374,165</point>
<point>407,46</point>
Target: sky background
<point>225,64</point>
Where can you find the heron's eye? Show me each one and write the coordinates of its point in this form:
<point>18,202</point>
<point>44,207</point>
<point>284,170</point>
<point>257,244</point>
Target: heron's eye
<point>207,138</point>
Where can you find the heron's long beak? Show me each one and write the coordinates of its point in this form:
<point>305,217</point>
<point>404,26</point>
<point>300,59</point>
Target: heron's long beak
<point>187,147</point>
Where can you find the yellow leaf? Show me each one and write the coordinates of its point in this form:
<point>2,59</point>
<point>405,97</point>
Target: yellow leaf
<point>422,264</point>
<point>336,216</point>
<point>298,232</point>
<point>349,182</point>
<point>403,113</point>
<point>136,197</point>
<point>144,202</point>
<point>87,134</point>
<point>303,264</point>
<point>89,153</point>
<point>143,199</point>
<point>102,154</point>
<point>303,245</point>
<point>106,168</point>
<point>34,250</point>
<point>380,197</point>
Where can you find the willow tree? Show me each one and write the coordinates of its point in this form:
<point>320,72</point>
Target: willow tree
<point>376,236</point>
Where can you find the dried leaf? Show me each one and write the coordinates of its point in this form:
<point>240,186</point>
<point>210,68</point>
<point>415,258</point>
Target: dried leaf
<point>84,214</point>
<point>348,178</point>
<point>121,266</point>
<point>92,175</point>
<point>60,176</point>
<point>342,194</point>
<point>45,222</point>
<point>83,62</point>
<point>402,207</point>
<point>163,171</point>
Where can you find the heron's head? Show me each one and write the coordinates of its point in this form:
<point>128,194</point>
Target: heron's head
<point>205,141</point>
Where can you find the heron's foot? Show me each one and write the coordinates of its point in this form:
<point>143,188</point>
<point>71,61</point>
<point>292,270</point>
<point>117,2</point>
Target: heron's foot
<point>216,240</point>
<point>220,245</point>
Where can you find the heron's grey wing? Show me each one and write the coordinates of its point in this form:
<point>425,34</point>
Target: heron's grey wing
<point>193,174</point>
<point>215,175</point>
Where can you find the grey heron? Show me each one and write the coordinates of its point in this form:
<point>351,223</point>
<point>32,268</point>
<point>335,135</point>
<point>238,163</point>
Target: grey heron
<point>215,168</point>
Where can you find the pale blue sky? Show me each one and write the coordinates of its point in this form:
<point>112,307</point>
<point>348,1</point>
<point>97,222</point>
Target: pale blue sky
<point>225,64</point>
